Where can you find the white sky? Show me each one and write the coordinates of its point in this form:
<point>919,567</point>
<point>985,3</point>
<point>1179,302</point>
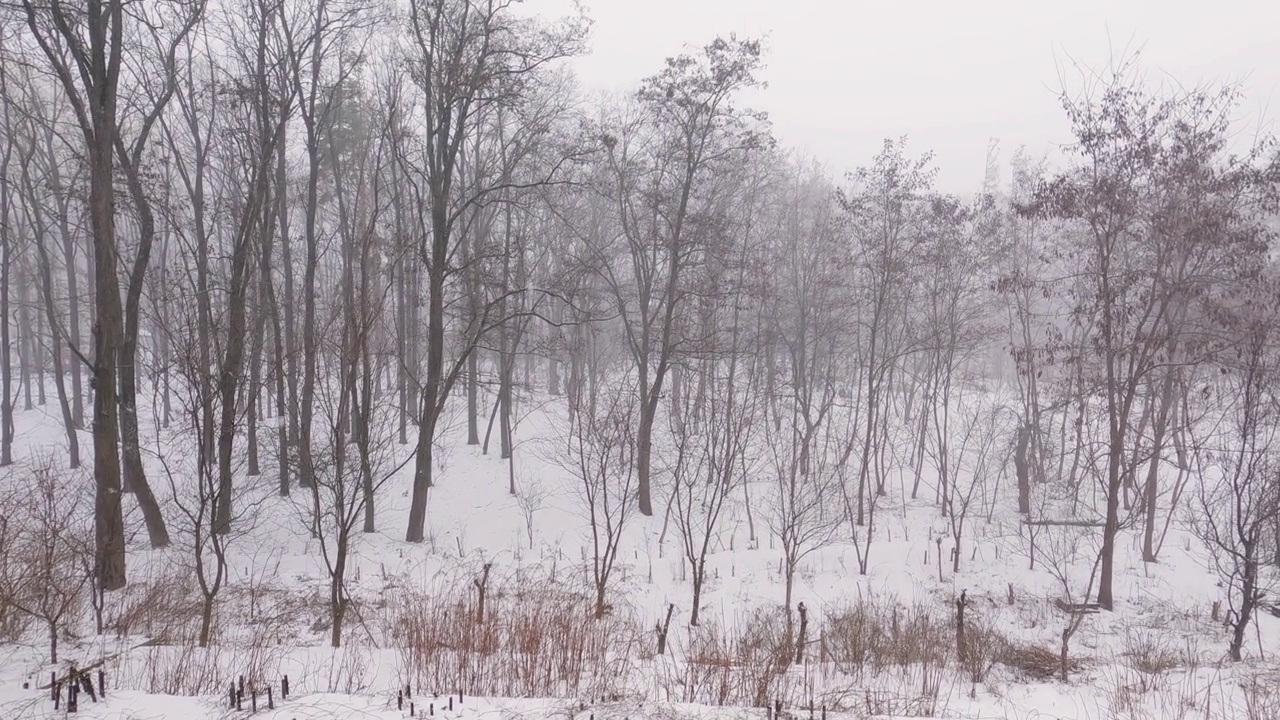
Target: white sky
<point>951,74</point>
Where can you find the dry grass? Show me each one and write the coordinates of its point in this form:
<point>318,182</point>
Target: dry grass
<point>534,642</point>
<point>185,669</point>
<point>875,640</point>
<point>878,633</point>
<point>13,623</point>
<point>874,635</point>
<point>165,609</point>
<point>983,649</point>
<point>744,665</point>
<point>1151,655</point>
<point>1030,662</point>
<point>1261,698</point>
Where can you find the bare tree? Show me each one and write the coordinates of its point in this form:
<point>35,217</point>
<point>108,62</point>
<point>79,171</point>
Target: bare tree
<point>229,186</point>
<point>661,166</point>
<point>348,475</point>
<point>39,166</point>
<point>8,249</point>
<point>972,458</point>
<point>805,458</point>
<point>355,451</point>
<point>1141,263</point>
<point>956,327</point>
<point>193,477</point>
<point>465,56</point>
<point>1064,552</point>
<point>85,54</point>
<point>1239,463</point>
<point>159,31</point>
<point>602,456</point>
<point>885,211</point>
<point>321,39</point>
<point>41,572</point>
<point>711,448</point>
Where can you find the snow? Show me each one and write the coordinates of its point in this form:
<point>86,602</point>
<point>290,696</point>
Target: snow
<point>271,616</point>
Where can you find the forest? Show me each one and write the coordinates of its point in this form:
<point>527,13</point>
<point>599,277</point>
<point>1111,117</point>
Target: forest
<point>330,328</point>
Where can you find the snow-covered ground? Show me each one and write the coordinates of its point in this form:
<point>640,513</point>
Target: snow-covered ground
<point>1159,655</point>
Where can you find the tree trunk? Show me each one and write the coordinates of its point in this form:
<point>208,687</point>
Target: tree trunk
<point>53,641</point>
<point>1112,525</point>
<point>363,413</point>
<point>206,620</point>
<point>1248,600</point>
<point>6,346</point>
<point>699,574</point>
<point>504,404</point>
<point>55,348</point>
<point>306,474</point>
<point>133,477</point>
<point>421,479</point>
<point>337,598</point>
<point>600,596</point>
<point>108,512</point>
<point>26,343</point>
<point>1062,656</point>
<point>473,400</point>
<point>402,347</point>
<point>253,395</point>
<point>229,378</point>
<point>73,308</point>
<point>1022,470</point>
<point>644,452</point>
<point>434,388</point>
<point>1151,487</point>
<point>279,370</point>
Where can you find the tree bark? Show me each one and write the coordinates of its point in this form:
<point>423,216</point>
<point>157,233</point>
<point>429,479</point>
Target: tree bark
<point>55,343</point>
<point>7,242</point>
<point>133,477</point>
<point>108,513</point>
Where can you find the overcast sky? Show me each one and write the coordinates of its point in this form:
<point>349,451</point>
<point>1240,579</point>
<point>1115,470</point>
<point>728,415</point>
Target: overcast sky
<point>951,74</point>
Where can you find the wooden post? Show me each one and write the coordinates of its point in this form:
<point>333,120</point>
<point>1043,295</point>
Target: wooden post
<point>804,631</point>
<point>399,700</point>
<point>482,586</point>
<point>271,700</point>
<point>284,688</point>
<point>662,629</point>
<point>102,684</point>
<point>231,695</point>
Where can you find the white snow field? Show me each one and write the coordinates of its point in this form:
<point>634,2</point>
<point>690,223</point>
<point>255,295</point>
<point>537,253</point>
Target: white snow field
<point>879,645</point>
